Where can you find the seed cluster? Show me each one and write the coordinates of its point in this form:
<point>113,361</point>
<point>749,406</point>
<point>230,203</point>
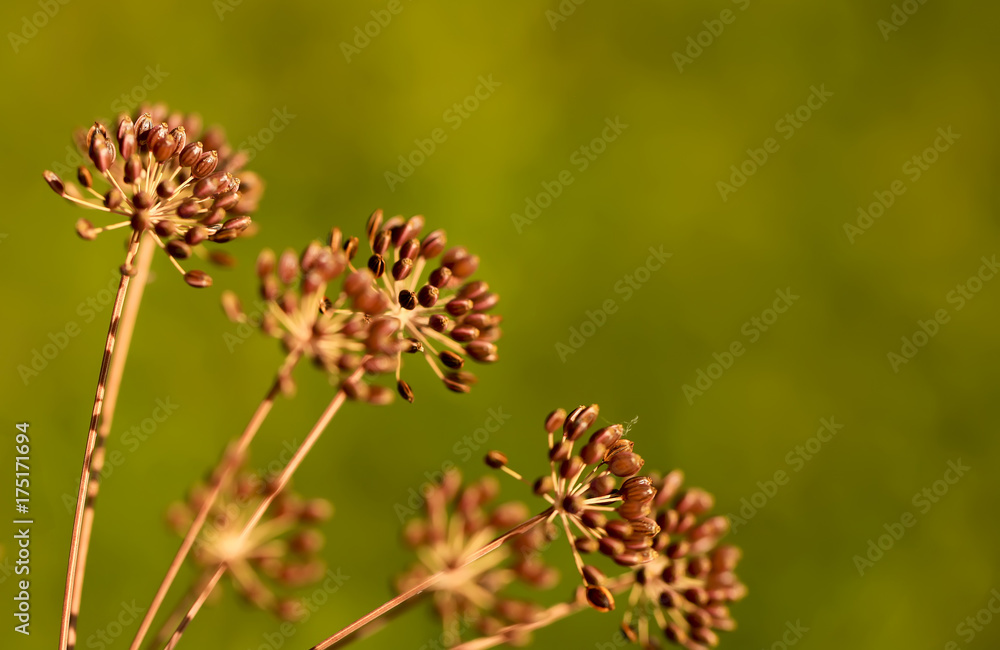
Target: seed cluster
<point>165,176</point>
<point>459,520</point>
<point>441,314</point>
<point>281,553</point>
<point>686,591</point>
<point>584,488</point>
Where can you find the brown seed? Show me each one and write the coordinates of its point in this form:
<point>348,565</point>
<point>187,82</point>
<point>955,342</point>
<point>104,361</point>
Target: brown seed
<point>451,360</point>
<point>133,169</point>
<point>195,235</point>
<point>439,277</point>
<point>611,547</point>
<point>592,575</point>
<point>142,126</point>
<point>433,244</point>
<point>586,544</point>
<point>560,451</point>
<point>165,228</point>
<point>401,269</point>
<point>178,249</point>
<point>608,435</point>
<point>198,279</point>
<point>570,467</point>
<point>180,139</point>
<point>126,136</point>
<point>156,133</point>
<point>405,391</point>
<point>591,453</point>
<point>618,447</point>
<point>496,459</point>
<point>54,182</point>
<point>543,485</point>
<point>439,322</point>
<point>407,300</point>
<point>427,296</point>
<point>84,177</point>
<point>456,386</point>
<point>376,265</point>
<point>464,333</point>
<point>410,249</point>
<point>473,290</point>
<point>602,486</point>
<point>638,488</point>
<point>85,229</point>
<point>190,154</point>
<point>164,147</point>
<point>554,420</point>
<point>374,225</point>
<point>206,164</point>
<point>457,307</point>
<point>625,464</point>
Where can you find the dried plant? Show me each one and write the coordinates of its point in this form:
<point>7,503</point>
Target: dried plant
<point>475,556</point>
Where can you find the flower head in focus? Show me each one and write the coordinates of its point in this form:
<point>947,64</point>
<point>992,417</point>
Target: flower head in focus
<point>686,591</point>
<point>280,553</point>
<point>585,487</point>
<point>158,172</point>
<point>421,300</point>
<point>459,520</point>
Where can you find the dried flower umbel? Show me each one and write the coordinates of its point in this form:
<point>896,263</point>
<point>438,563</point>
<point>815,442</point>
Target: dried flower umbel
<point>282,553</point>
<point>583,488</point>
<point>298,309</point>
<point>686,591</point>
<point>459,520</point>
<point>441,314</point>
<point>154,171</point>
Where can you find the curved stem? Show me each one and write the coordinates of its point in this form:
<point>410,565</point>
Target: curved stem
<point>413,591</point>
<point>130,314</point>
<point>227,468</point>
<point>67,632</point>
<point>275,488</point>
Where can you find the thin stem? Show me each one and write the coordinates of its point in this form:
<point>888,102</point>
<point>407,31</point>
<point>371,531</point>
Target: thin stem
<point>67,632</point>
<point>127,322</point>
<point>179,610</point>
<point>410,593</point>
<point>227,468</point>
<point>275,488</point>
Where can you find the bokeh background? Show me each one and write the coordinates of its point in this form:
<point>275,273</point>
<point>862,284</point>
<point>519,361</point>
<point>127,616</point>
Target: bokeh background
<point>561,71</point>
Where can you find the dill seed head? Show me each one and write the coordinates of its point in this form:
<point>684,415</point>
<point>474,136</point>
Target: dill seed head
<point>687,589</point>
<point>281,553</point>
<point>304,308</point>
<point>158,172</point>
<point>584,488</point>
<point>421,299</point>
<point>458,520</point>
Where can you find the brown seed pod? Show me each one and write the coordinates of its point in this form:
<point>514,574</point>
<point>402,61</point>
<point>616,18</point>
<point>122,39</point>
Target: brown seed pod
<point>198,279</point>
<point>600,598</point>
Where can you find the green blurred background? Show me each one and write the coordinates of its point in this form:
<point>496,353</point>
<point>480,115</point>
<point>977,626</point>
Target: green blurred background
<point>656,185</point>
